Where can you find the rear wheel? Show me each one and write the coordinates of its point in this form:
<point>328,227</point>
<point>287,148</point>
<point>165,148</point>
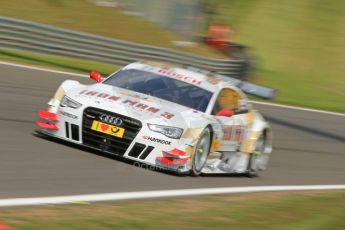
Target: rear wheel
<point>257,157</point>
<point>201,151</point>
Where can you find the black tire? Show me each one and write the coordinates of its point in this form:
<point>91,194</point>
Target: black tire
<point>201,151</point>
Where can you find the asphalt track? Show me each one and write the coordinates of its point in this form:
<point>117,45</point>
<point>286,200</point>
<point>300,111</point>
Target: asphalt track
<point>309,149</point>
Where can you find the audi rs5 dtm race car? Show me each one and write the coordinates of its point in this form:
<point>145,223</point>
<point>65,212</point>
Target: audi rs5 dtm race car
<point>180,119</point>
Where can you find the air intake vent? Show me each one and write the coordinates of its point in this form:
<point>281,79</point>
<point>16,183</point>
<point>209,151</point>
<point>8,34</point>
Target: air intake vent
<point>146,152</point>
<point>75,132</point>
<point>67,129</point>
<point>136,150</point>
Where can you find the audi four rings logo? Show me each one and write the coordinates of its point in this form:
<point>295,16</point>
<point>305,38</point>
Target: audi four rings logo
<point>110,119</point>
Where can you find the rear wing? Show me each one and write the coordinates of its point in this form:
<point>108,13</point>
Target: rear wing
<point>246,87</point>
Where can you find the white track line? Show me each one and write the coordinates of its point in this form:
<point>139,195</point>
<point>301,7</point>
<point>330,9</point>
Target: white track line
<point>298,108</point>
<point>256,102</point>
<point>159,194</point>
<point>42,69</point>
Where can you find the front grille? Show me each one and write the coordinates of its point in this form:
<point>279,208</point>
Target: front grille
<point>105,142</point>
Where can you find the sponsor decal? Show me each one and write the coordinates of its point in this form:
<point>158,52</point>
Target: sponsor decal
<point>233,132</point>
<point>216,144</point>
<point>170,72</point>
<point>110,119</point>
<point>128,102</point>
<point>173,74</point>
<point>68,114</point>
<point>153,139</point>
<point>108,129</point>
<point>167,115</point>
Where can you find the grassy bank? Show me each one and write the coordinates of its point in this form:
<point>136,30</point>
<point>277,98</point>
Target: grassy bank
<point>86,16</point>
<point>298,45</point>
<point>55,62</point>
<point>318,210</point>
<point>306,96</point>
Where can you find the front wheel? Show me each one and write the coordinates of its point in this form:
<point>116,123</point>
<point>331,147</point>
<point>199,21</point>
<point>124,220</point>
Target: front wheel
<point>201,151</point>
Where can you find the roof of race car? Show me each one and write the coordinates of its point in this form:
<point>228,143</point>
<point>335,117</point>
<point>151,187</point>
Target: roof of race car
<point>208,82</point>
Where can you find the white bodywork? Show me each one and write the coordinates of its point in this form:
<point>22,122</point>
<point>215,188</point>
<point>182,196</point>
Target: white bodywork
<point>233,138</point>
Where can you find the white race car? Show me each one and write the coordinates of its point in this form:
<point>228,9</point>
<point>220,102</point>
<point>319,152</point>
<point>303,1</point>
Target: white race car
<point>180,119</point>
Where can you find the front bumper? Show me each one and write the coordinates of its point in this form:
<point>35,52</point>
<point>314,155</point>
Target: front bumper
<point>69,127</point>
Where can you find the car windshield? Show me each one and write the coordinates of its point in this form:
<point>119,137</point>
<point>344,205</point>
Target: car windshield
<point>162,87</point>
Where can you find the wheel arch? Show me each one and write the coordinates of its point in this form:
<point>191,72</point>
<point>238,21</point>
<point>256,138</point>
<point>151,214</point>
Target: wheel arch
<point>267,132</point>
<point>259,127</point>
<point>211,132</point>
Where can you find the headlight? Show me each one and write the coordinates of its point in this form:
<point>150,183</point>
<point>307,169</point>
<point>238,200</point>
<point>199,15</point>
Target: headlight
<point>172,132</point>
<point>68,102</point>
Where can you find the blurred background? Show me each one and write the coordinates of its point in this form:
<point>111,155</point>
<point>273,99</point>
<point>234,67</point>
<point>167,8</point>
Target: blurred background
<point>296,47</point>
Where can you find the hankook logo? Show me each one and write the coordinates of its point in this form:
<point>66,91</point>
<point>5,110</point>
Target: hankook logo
<point>110,119</point>
<point>164,142</point>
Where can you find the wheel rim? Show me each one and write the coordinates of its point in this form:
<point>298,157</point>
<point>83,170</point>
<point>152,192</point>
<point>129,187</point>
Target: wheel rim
<point>201,151</point>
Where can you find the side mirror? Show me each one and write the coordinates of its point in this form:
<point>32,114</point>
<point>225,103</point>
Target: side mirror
<point>225,113</point>
<point>95,76</point>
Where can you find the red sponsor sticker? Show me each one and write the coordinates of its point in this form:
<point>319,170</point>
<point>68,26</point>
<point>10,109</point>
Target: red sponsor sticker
<point>128,102</point>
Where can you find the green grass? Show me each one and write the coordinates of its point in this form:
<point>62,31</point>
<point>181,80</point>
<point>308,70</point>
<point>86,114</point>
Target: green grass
<point>299,47</point>
<point>56,62</point>
<point>323,210</point>
<point>84,15</point>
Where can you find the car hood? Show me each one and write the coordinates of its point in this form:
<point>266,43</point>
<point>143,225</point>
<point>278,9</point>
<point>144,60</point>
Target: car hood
<point>133,104</point>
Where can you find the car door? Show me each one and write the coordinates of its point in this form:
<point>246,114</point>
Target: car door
<point>229,111</point>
